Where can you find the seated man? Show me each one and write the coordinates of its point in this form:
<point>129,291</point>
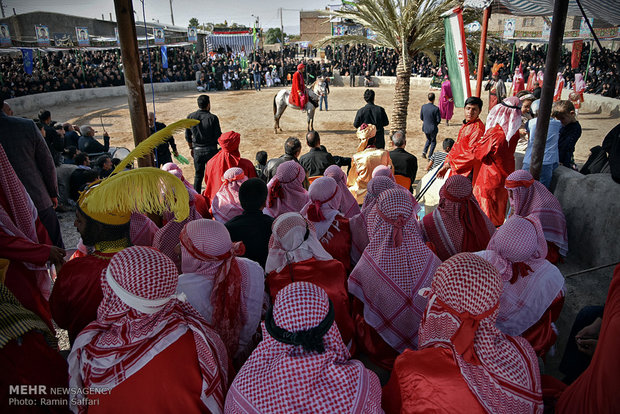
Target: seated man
<point>464,360</point>
<point>295,255</point>
<point>225,205</point>
<point>253,227</point>
<point>439,157</point>
<point>364,162</point>
<point>88,144</point>
<point>81,176</point>
<point>310,373</point>
<point>405,164</point>
<point>292,149</point>
<point>317,159</point>
<point>227,291</point>
<point>141,330</point>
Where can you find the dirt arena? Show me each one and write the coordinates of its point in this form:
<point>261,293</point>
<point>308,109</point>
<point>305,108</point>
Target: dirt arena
<point>251,114</point>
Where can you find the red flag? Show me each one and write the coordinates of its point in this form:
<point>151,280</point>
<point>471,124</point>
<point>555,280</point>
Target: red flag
<point>576,55</point>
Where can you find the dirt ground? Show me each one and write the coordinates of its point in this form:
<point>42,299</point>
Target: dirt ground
<point>251,114</point>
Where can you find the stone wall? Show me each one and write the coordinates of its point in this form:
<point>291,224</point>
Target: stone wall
<point>591,204</point>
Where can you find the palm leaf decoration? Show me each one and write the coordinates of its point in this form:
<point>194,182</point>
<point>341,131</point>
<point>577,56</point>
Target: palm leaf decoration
<point>149,144</point>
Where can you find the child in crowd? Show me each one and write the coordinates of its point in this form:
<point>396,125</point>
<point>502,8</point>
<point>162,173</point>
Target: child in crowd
<point>261,163</point>
<point>438,157</point>
<point>564,111</point>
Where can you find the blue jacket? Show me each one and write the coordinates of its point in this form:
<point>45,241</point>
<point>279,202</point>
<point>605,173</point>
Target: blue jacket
<point>429,114</point>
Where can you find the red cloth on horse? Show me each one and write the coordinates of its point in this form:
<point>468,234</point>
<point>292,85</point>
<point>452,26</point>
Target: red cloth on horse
<point>77,292</point>
<point>327,274</point>
<point>228,157</point>
<point>461,156</point>
<point>596,390</point>
<point>298,96</point>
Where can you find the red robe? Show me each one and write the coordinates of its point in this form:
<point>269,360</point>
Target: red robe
<point>327,274</point>
<point>496,156</point>
<point>339,245</point>
<point>596,390</point>
<point>31,361</point>
<point>147,391</point>
<point>20,280</point>
<point>428,381</point>
<point>77,292</point>
<point>298,96</point>
<point>461,157</point>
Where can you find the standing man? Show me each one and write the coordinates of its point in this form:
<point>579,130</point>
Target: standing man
<point>256,76</point>
<point>30,157</point>
<point>352,73</point>
<point>404,163</point>
<point>372,114</point>
<point>496,87</point>
<point>202,138</point>
<point>460,160</point>
<point>431,118</point>
<point>298,96</point>
<point>162,151</point>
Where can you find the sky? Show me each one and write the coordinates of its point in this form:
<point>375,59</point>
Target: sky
<point>237,11</point>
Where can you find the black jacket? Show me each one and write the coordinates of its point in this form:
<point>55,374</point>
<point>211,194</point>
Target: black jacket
<point>272,165</point>
<point>404,163</point>
<point>206,133</point>
<point>316,161</point>
<point>253,228</point>
<point>373,114</point>
<point>163,152</point>
<point>431,117</point>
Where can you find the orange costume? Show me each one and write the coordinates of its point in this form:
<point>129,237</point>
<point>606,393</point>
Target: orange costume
<point>298,96</point>
<point>461,157</point>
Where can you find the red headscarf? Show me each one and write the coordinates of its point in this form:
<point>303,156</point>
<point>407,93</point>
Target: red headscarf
<point>205,246</point>
<point>395,265</point>
<point>457,224</point>
<point>285,377</point>
<point>228,157</point>
<point>322,208</point>
<point>286,189</point>
<point>348,203</point>
<point>301,66</point>
<point>139,316</point>
<point>501,371</point>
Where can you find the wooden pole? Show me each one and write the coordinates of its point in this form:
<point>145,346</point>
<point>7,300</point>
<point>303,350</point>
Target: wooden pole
<point>552,62</point>
<point>483,46</point>
<point>133,74</point>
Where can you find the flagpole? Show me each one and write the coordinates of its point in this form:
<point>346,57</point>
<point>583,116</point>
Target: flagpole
<point>483,45</point>
<point>512,59</point>
<point>585,77</point>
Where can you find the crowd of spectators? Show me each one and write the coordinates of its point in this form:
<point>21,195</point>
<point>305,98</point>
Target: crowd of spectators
<point>223,69</point>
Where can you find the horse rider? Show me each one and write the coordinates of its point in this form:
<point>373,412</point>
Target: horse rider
<point>299,96</point>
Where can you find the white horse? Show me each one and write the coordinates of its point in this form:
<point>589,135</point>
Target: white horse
<point>280,102</point>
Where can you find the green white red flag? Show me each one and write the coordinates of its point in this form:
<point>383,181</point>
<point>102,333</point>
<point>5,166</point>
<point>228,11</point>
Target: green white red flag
<point>456,56</point>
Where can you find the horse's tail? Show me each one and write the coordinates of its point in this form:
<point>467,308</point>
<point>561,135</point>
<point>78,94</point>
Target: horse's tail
<point>275,107</point>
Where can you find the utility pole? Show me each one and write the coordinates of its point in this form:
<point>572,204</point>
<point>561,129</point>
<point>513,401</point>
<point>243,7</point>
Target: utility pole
<point>133,74</point>
<point>2,6</point>
<point>171,14</point>
<point>282,48</point>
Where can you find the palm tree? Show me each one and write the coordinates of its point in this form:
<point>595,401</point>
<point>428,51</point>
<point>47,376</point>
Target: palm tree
<point>409,27</point>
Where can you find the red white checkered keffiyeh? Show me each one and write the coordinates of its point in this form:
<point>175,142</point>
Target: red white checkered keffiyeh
<point>286,189</point>
<point>389,274</point>
<point>518,250</point>
<point>530,197</point>
<point>140,316</point>
<point>18,216</point>
<point>288,379</point>
<point>383,171</point>
<point>225,204</point>
<point>501,371</point>
<point>142,230</point>
<point>206,249</point>
<point>322,208</point>
<point>293,239</point>
<point>507,115</point>
<point>458,223</point>
<point>348,203</point>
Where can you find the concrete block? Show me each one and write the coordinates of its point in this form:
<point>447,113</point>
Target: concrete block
<point>591,204</point>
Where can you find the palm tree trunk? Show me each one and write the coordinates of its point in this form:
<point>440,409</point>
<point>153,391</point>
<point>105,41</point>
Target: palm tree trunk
<point>401,96</point>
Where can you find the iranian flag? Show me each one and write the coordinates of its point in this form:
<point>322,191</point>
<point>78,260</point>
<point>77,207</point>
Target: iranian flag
<point>456,56</point>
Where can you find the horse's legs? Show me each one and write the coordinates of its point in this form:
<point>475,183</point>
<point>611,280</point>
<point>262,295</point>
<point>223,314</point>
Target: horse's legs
<point>278,115</point>
<point>310,108</point>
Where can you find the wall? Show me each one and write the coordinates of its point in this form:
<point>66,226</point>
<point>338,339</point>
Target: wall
<point>591,212</point>
<point>32,103</point>
<point>314,26</point>
<point>22,25</point>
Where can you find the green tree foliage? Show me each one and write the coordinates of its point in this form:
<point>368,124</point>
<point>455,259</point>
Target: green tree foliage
<point>273,35</point>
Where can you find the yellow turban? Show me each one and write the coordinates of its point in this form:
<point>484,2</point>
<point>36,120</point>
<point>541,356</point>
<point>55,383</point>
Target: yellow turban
<point>364,133</point>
